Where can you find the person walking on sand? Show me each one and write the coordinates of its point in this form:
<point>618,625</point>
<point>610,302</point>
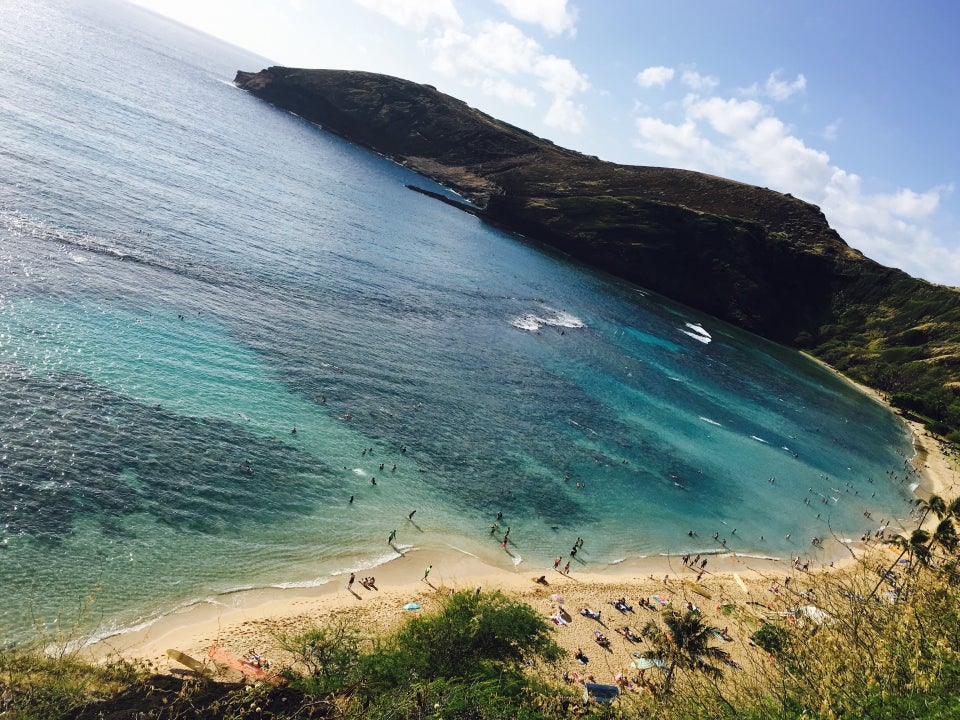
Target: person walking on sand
<point>426,573</point>
<point>391,537</point>
<point>556,563</point>
<point>350,581</point>
<point>566,568</point>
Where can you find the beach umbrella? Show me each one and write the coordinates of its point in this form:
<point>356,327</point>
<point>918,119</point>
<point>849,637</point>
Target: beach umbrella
<point>411,606</point>
<point>557,598</point>
<point>642,663</point>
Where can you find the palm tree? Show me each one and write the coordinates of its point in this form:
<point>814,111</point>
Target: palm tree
<point>953,508</point>
<point>916,545</point>
<point>936,505</point>
<point>685,643</point>
<point>944,535</point>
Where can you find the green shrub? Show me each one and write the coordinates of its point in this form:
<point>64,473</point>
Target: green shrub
<point>330,656</point>
<point>469,635</point>
<point>771,638</point>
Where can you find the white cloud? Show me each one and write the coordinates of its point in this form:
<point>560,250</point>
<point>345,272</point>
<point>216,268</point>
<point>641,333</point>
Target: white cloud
<point>499,57</point>
<point>654,76</point>
<point>681,145</point>
<point>777,89</point>
<point>508,92</point>
<point>832,130</point>
<point>701,83</point>
<point>893,229</point>
<point>552,15</point>
<point>566,115</point>
<point>558,76</point>
<point>416,14</point>
<point>730,117</point>
<point>744,139</point>
<point>909,204</point>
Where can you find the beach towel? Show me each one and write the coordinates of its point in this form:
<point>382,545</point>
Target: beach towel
<point>247,668</point>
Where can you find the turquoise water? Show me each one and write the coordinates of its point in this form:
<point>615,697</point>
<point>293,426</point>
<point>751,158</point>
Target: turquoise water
<point>188,274</point>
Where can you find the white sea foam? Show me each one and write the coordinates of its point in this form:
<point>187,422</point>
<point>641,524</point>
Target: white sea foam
<point>617,561</point>
<point>697,332</point>
<point>696,336</point>
<point>399,549</point>
<point>526,322</point>
<point>698,328</point>
<point>517,560</point>
<point>359,471</point>
<point>712,422</point>
<point>759,439</point>
<point>461,550</point>
<point>316,582</point>
<point>752,557</point>
<point>143,625</point>
<point>548,317</point>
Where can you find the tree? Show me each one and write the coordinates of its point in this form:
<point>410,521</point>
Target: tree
<point>685,643</point>
<point>934,504</point>
<point>916,545</point>
<point>470,635</point>
<point>944,535</point>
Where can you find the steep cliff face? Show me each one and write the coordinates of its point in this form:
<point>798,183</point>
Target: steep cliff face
<point>763,260</point>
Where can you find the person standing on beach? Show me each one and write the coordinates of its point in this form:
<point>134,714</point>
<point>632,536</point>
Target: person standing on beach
<point>410,516</point>
<point>426,572</point>
<point>556,563</point>
<point>350,581</point>
<point>566,568</point>
<point>391,537</point>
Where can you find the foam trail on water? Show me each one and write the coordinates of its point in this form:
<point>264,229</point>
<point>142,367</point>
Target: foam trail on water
<point>461,550</point>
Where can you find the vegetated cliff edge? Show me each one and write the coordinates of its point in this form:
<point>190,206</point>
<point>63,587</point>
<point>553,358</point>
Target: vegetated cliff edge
<point>760,259</point>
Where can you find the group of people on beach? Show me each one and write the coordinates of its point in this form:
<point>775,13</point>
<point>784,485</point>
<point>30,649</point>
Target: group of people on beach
<point>578,543</point>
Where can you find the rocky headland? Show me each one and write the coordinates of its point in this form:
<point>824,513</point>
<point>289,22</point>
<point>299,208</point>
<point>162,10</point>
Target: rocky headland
<point>763,260</point>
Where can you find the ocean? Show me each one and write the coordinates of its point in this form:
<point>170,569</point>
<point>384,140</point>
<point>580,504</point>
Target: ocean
<point>236,352</point>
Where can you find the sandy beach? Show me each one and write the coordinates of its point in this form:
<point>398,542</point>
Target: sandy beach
<point>247,622</point>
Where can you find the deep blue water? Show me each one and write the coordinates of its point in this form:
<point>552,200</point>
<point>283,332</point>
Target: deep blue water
<point>187,274</point>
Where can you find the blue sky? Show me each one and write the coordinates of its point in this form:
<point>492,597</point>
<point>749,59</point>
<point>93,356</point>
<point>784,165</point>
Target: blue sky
<point>853,105</point>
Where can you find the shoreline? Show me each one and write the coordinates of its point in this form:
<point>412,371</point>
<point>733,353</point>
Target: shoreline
<point>246,621</point>
<point>937,468</point>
